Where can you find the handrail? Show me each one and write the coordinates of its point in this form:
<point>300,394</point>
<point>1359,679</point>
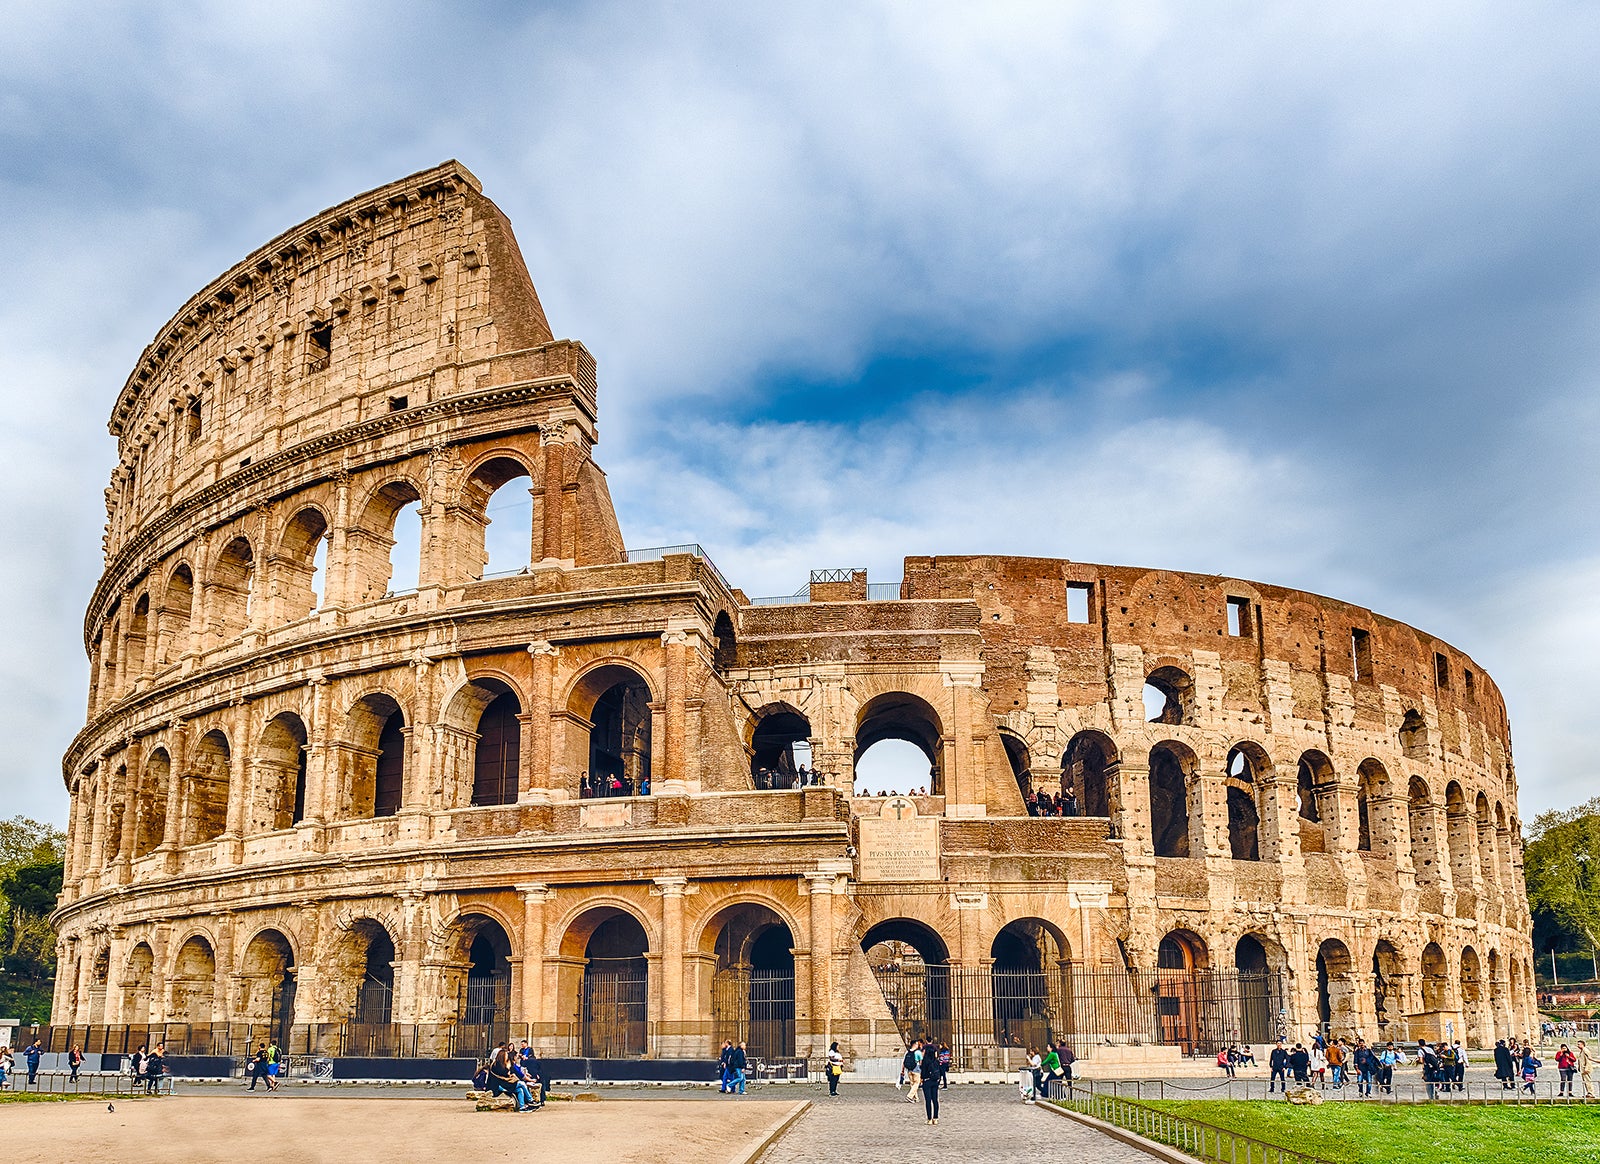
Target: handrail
<point>1202,1140</point>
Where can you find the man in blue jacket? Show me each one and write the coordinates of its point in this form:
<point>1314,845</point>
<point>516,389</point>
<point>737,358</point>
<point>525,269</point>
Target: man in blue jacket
<point>1278,1061</point>
<point>32,1053</point>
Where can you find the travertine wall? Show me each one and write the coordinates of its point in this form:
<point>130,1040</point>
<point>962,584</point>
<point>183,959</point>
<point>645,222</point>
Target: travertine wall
<point>274,781</point>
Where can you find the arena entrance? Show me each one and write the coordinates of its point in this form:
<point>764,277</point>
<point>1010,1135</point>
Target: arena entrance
<point>752,992</point>
<point>911,965</point>
<point>614,997</point>
<point>484,1008</point>
<point>1030,982</point>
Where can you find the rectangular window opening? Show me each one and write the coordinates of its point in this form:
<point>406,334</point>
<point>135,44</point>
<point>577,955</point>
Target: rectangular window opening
<point>1239,617</point>
<point>1078,601</point>
<point>1361,652</point>
<point>1466,679</point>
<point>191,421</point>
<point>319,346</point>
<point>398,403</point>
<point>1441,670</point>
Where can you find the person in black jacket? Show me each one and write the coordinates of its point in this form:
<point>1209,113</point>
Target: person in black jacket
<point>155,1065</point>
<point>722,1066</point>
<point>1503,1070</point>
<point>1300,1062</point>
<point>1278,1061</point>
<point>932,1076</point>
<point>739,1061</point>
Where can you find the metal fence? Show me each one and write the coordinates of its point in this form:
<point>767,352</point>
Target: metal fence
<point>1199,1011</point>
<point>1404,1089</point>
<point>756,1007</point>
<point>110,1083</point>
<point>1196,1137</point>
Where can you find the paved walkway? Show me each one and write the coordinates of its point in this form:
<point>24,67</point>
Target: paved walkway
<point>871,1123</point>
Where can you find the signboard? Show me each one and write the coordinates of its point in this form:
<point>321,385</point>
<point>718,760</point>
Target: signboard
<point>899,845</point>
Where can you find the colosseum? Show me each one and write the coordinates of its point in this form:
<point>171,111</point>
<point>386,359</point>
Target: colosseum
<point>385,796</point>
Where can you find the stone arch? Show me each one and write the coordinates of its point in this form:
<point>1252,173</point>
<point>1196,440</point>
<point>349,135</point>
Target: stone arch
<point>1018,759</point>
<point>477,974</point>
<point>115,807</point>
<point>1029,983</point>
<point>725,652</point>
<point>486,713</point>
<point>900,715</point>
<point>1413,736</point>
<point>609,701</point>
<point>1488,858</point>
<point>266,989</point>
<point>150,824</point>
<point>605,956</point>
<point>231,590</point>
<point>193,983</point>
<point>294,566</point>
<point>1389,978</point>
<point>1245,773</point>
<point>1174,692</point>
<point>1375,831</point>
<point>1315,785</point>
<point>1172,768</point>
<point>775,731</point>
<point>372,758</point>
<point>1435,979</point>
<point>1181,1004</point>
<point>370,543</point>
<point>278,799</point>
<point>1460,837</point>
<point>359,978</point>
<point>138,978</point>
<point>136,648</point>
<point>204,798</point>
<point>486,478</point>
<point>1088,768</point>
<point>175,618</point>
<point>1336,990</point>
<point>752,988</point>
<point>1479,1029</point>
<point>1419,817</point>
<point>910,960</point>
<point>1258,960</point>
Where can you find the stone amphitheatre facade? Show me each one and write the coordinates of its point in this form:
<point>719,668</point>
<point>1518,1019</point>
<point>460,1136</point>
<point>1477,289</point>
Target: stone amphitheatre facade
<point>307,801</point>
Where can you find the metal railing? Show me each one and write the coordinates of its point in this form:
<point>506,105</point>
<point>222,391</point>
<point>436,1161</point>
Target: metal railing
<point>1408,1090</point>
<point>111,1083</point>
<point>656,553</point>
<point>1201,1140</point>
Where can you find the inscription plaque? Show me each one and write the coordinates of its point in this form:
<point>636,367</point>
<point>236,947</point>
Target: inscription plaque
<point>899,845</point>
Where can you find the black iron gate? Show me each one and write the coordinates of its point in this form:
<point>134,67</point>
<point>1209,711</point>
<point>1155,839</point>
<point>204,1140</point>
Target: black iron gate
<point>282,1021</point>
<point>485,1015</point>
<point>756,1007</point>
<point>615,1011</point>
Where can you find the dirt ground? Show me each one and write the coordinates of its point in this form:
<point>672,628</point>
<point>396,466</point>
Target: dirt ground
<point>287,1129</point>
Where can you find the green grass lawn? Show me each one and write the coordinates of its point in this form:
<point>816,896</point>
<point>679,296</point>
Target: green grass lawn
<point>1359,1133</point>
<point>54,1097</point>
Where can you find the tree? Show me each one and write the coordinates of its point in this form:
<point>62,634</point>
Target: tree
<point>31,856</point>
<point>1561,865</point>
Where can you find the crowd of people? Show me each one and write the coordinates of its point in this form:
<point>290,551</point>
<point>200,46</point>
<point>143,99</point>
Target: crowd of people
<point>1045,804</point>
<point>602,785</point>
<point>926,1068</point>
<point>513,1069</point>
<point>775,779</point>
<point>734,1064</point>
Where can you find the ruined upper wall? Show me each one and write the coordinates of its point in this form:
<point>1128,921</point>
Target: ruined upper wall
<point>375,305</point>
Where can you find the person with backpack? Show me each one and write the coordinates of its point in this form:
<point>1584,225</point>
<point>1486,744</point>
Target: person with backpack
<point>1430,1067</point>
<point>908,1069</point>
<point>1387,1058</point>
<point>932,1078</point>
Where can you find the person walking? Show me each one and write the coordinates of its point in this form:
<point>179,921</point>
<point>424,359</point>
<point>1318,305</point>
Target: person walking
<point>155,1065</point>
<point>1387,1058</point>
<point>932,1077</point>
<point>275,1064</point>
<point>1586,1069</point>
<point>1278,1061</point>
<point>723,1065</point>
<point>1530,1070</point>
<point>1504,1071</point>
<point>136,1065</point>
<point>257,1066</point>
<point>740,1062</point>
<point>835,1069</point>
<point>1366,1064</point>
<point>32,1053</point>
<point>1567,1065</point>
<point>75,1061</point>
<point>909,1069</point>
<point>1336,1060</point>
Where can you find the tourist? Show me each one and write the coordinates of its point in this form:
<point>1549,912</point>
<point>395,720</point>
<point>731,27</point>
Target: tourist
<point>32,1053</point>
<point>1052,1067</point>
<point>1366,1064</point>
<point>1032,1078</point>
<point>945,1059</point>
<point>909,1069</point>
<point>1567,1065</point>
<point>1586,1069</point>
<point>1530,1069</point>
<point>1503,1070</point>
<point>1300,1063</point>
<point>155,1066</point>
<point>7,1064</point>
<point>1430,1066</point>
<point>502,1080</point>
<point>1069,804</point>
<point>136,1064</point>
<point>75,1061</point>
<point>725,1065</point>
<point>932,1078</point>
<point>1247,1057</point>
<point>1337,1054</point>
<point>740,1062</point>
<point>1278,1061</point>
<point>1225,1060</point>
<point>1318,1067</point>
<point>532,1071</point>
<point>835,1069</point>
<point>1387,1058</point>
<point>257,1066</point>
<point>1460,1075</point>
<point>274,1065</point>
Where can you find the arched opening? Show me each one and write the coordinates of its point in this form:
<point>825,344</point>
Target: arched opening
<point>611,738</point>
<point>1171,766</point>
<point>205,790</point>
<point>384,546</point>
<point>363,978</point>
<point>1030,984</point>
<point>1388,989</point>
<point>1258,994</point>
<point>498,495</point>
<point>280,783</point>
<point>1488,861</point>
<point>373,758</point>
<point>1181,994</point>
<point>109,654</point>
<point>895,727</point>
<point>1472,999</point>
<point>150,827</point>
<point>752,990</point>
<point>1169,696</point>
<point>1414,737</point>
<point>137,980</point>
<point>497,759</point>
<point>485,991</point>
<point>266,987</point>
<point>116,803</point>
<point>1016,750</point>
<point>232,590</point>
<point>779,747</point>
<point>1374,832</point>
<point>1086,769</point>
<point>194,983</point>
<point>99,978</point>
<point>726,654</point>
<point>173,621</point>
<point>1419,816</point>
<point>616,988</point>
<point>1336,990</point>
<point>1314,790</point>
<point>297,563</point>
<point>911,964</point>
<point>138,638</point>
<point>1460,835</point>
<point>1435,980</point>
<point>1245,765</point>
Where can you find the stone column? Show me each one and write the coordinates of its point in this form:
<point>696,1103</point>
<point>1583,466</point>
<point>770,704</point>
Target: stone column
<point>223,1001</point>
<point>133,757</point>
<point>538,759</point>
<point>178,757</point>
<point>671,890</point>
<point>552,441</point>
<point>820,888</point>
<point>965,790</point>
<point>676,645</point>
<point>534,896</point>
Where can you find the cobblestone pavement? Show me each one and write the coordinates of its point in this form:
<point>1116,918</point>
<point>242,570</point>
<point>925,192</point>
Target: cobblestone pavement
<point>871,1123</point>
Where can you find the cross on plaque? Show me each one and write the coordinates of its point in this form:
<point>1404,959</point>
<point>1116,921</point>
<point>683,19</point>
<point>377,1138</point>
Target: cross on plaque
<point>900,804</point>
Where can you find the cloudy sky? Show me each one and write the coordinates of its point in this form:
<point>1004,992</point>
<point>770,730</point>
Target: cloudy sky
<point>1299,293</point>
